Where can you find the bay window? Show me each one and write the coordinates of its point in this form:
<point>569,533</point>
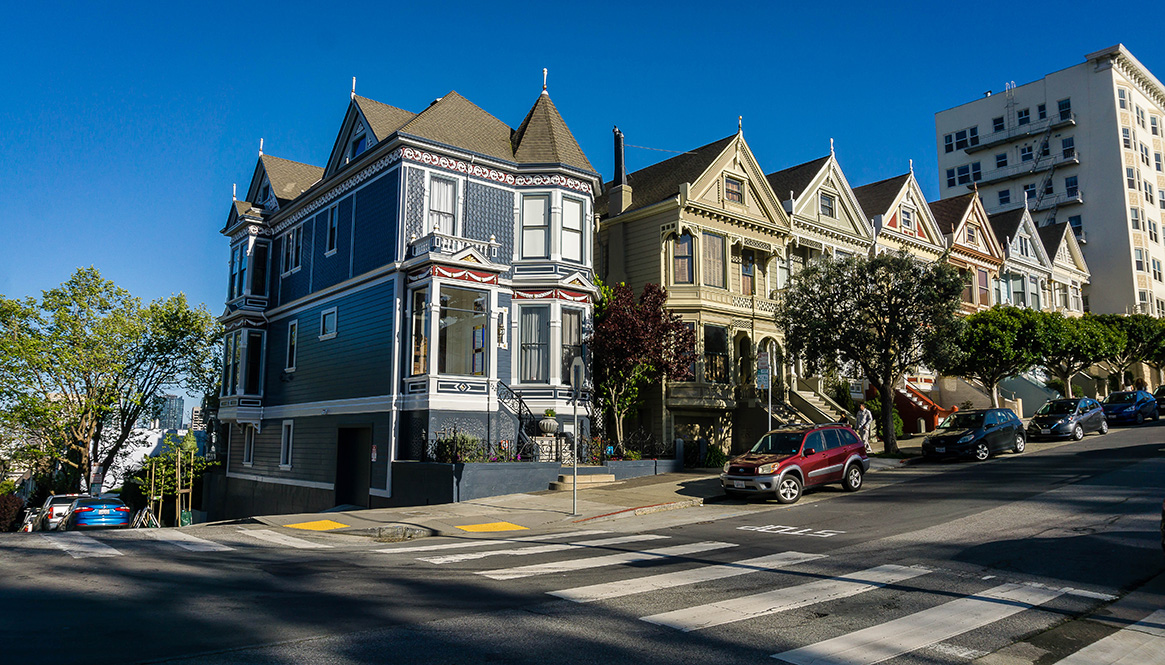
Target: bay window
<point>420,334</point>
<point>442,203</point>
<point>747,273</point>
<point>714,246</point>
<point>715,354</point>
<point>682,259</point>
<point>535,227</point>
<point>534,332</point>
<point>461,344</point>
<point>571,340</point>
<point>572,229</point>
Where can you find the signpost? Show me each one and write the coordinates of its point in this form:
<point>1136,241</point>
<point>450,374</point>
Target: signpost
<point>577,371</point>
<point>763,380</point>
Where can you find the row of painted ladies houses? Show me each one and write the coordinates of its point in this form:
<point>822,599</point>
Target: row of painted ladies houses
<point>437,275</point>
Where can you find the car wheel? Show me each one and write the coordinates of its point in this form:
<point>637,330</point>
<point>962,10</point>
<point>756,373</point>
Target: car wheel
<point>1140,418</point>
<point>1156,415</point>
<point>1020,443</point>
<point>789,489</point>
<point>1077,432</point>
<point>982,452</point>
<point>852,481</point>
<point>1103,427</point>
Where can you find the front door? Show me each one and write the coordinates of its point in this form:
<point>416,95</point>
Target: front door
<point>353,465</point>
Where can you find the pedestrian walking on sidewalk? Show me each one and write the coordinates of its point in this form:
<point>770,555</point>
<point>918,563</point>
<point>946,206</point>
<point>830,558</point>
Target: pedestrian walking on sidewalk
<point>865,421</point>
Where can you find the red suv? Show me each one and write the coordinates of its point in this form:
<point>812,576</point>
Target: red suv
<point>787,460</point>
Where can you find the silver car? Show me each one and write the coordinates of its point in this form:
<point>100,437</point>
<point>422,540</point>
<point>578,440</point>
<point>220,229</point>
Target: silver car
<point>54,510</point>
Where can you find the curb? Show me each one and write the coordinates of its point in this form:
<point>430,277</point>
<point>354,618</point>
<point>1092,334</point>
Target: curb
<point>644,510</point>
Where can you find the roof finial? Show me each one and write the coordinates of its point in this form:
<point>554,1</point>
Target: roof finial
<point>831,146</point>
<point>260,147</point>
<point>234,191</point>
<point>544,81</point>
<point>353,87</point>
<point>912,165</point>
<point>739,124</point>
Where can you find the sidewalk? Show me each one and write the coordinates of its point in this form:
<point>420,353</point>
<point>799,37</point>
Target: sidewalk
<point>533,510</point>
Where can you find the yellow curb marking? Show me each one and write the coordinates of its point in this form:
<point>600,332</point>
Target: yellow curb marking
<point>493,526</point>
<point>319,525</point>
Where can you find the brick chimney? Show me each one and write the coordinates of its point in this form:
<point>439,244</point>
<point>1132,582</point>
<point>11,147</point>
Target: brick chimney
<point>620,198</point>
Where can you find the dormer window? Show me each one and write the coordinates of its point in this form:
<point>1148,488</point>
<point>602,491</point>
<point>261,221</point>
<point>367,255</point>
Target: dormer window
<point>359,144</point>
<point>827,205</point>
<point>971,236</point>
<point>264,192</point>
<point>907,219</point>
<point>733,190</point>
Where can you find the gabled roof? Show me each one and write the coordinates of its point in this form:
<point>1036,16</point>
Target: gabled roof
<point>949,212</point>
<point>877,197</point>
<point>458,122</point>
<point>1052,235</point>
<point>657,182</point>
<point>1006,224</point>
<point>289,179</point>
<point>382,119</point>
<point>795,178</point>
<point>543,138</point>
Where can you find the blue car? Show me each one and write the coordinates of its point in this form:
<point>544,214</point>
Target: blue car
<point>95,513</point>
<point>1131,406</point>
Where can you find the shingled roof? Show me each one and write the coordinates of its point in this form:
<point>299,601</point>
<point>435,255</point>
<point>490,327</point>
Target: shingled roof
<point>543,138</point>
<point>949,212</point>
<point>795,178</point>
<point>382,119</point>
<point>1006,223</point>
<point>657,182</point>
<point>289,179</point>
<point>1052,235</point>
<point>456,121</point>
<point>876,197</point>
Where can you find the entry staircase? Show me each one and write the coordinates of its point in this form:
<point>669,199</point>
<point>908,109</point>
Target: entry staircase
<point>527,427</point>
<point>814,405</point>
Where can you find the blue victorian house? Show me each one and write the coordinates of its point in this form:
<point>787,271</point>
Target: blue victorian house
<point>435,276</point>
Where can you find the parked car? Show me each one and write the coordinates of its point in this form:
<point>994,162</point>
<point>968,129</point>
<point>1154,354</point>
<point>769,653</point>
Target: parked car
<point>1163,526</point>
<point>1159,394</point>
<point>976,435</point>
<point>1068,417</point>
<point>1133,406</point>
<point>786,461</point>
<point>95,513</point>
<point>53,510</point>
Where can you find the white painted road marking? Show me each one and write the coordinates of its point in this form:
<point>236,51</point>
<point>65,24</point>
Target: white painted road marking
<point>792,530</point>
<point>283,539</point>
<point>921,629</point>
<point>587,594</point>
<point>78,545</point>
<point>781,600</point>
<point>601,561</point>
<point>483,542</point>
<point>186,541</point>
<point>540,549</point>
<point>1142,643</point>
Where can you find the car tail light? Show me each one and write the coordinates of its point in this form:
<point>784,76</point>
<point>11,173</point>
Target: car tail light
<point>83,510</point>
<point>122,509</point>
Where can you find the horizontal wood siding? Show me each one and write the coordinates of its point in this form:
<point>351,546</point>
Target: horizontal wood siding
<point>643,253</point>
<point>357,362</point>
<point>331,270</point>
<point>298,284</point>
<point>376,223</point>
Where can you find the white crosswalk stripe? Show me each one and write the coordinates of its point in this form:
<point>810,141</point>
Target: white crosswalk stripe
<point>186,541</point>
<point>484,542</point>
<point>540,549</point>
<point>602,561</point>
<point>78,545</point>
<point>915,631</point>
<point>1142,643</point>
<point>606,590</point>
<point>283,539</point>
<point>781,600</point>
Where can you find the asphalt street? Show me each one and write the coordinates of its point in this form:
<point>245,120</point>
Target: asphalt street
<point>1026,555</point>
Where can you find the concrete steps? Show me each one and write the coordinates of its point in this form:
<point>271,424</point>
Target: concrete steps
<point>585,481</point>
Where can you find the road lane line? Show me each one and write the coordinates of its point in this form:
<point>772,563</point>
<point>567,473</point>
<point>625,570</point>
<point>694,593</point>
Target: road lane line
<point>483,542</point>
<point>605,590</point>
<point>781,600</point>
<point>186,541</point>
<point>78,545</point>
<point>283,539</point>
<point>1139,644</point>
<point>915,631</point>
<point>601,561</point>
<point>540,549</point>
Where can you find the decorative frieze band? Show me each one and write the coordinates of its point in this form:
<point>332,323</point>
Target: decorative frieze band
<point>476,170</point>
<point>455,273</point>
<point>329,196</point>
<point>558,294</point>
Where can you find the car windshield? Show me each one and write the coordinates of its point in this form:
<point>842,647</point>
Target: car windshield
<point>62,500</point>
<point>1159,392</point>
<point>1059,407</point>
<point>963,421</point>
<point>1121,398</point>
<point>779,443</point>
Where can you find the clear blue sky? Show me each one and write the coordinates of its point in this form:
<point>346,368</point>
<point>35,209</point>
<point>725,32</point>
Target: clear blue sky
<point>124,124</point>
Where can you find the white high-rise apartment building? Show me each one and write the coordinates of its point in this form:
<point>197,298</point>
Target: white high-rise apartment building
<point>1082,145</point>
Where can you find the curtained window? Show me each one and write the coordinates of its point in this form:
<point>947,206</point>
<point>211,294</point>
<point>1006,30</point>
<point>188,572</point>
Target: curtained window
<point>682,253</point>
<point>984,289</point>
<point>747,273</point>
<point>534,330</point>
<point>571,340</point>
<point>713,260</point>
<point>442,200</point>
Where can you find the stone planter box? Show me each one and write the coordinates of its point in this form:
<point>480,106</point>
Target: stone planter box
<point>425,483</point>
<point>623,469</point>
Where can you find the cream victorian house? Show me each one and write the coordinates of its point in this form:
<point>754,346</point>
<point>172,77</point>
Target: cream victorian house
<point>706,226</point>
<point>1025,278</point>
<point>901,218</point>
<point>1069,271</point>
<point>974,250</point>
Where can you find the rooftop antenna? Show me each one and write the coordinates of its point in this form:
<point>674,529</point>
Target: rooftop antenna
<point>260,147</point>
<point>234,191</point>
<point>544,81</point>
<point>353,87</point>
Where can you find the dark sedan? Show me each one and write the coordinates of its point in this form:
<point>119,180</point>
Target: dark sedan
<point>1068,418</point>
<point>1159,394</point>
<point>1130,406</point>
<point>976,435</point>
<point>95,513</point>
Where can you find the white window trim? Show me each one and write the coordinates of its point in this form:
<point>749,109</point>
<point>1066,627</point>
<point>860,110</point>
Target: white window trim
<point>292,333</point>
<point>549,226</point>
<point>503,328</point>
<point>333,222</point>
<point>286,443</point>
<point>458,193</point>
<point>283,270</point>
<point>248,445</point>
<point>323,317</point>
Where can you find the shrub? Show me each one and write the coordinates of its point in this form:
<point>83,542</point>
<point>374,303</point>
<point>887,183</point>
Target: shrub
<point>714,458</point>
<point>550,413</point>
<point>11,508</point>
<point>875,407</point>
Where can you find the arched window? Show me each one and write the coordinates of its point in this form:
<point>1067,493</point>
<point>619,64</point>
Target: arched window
<point>682,252</point>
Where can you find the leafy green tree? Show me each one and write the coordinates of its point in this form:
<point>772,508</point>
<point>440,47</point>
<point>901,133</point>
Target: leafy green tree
<point>80,366</point>
<point>635,343</point>
<point>1072,345</point>
<point>1140,338</point>
<point>994,344</point>
<point>886,315</point>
